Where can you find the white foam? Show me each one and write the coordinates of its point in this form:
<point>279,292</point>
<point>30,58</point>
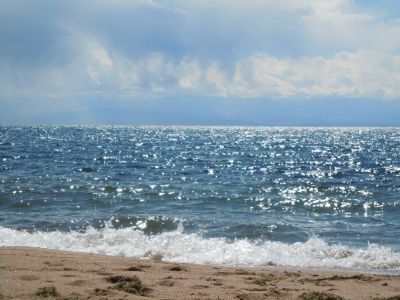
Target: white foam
<point>177,246</point>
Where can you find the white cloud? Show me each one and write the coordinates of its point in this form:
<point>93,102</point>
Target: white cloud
<point>101,56</point>
<point>334,48</point>
<point>168,8</point>
<point>358,74</point>
<point>333,11</point>
<point>316,25</point>
<point>363,73</point>
<point>189,74</point>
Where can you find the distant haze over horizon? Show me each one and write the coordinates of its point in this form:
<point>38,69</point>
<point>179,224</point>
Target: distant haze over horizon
<point>245,63</point>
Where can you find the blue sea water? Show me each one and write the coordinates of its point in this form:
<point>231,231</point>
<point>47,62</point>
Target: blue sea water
<point>303,197</point>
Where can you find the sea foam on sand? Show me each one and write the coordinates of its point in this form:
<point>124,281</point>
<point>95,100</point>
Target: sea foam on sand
<point>176,246</point>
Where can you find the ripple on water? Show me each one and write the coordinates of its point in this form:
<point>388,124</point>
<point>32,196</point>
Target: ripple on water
<point>227,182</point>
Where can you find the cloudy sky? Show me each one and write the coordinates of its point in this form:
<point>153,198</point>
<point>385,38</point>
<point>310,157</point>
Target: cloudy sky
<point>186,62</point>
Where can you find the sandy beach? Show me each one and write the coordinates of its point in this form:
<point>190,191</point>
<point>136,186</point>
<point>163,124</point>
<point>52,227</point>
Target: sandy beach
<point>32,273</point>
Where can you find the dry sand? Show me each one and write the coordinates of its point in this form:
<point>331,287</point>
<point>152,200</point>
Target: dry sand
<point>31,273</point>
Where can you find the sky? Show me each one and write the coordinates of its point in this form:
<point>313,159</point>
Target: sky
<point>204,62</point>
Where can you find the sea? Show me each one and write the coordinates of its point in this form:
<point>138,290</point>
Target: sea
<point>320,198</point>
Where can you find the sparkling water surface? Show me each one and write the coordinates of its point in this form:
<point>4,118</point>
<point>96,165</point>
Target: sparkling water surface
<point>229,195</point>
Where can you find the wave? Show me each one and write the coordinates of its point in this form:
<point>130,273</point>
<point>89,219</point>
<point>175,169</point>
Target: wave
<point>177,246</point>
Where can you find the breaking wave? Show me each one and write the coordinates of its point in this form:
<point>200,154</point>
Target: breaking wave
<point>177,246</point>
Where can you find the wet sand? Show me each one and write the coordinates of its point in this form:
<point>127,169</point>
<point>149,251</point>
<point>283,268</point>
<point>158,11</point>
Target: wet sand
<point>32,273</point>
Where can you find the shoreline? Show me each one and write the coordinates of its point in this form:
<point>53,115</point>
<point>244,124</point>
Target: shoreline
<point>36,273</point>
